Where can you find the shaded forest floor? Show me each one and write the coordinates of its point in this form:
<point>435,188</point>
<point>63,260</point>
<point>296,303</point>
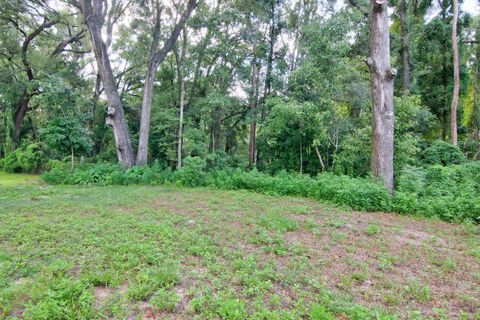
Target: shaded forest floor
<point>139,252</point>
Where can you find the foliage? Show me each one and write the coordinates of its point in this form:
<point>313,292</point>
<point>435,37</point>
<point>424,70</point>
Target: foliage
<point>448,193</point>
<point>443,153</point>
<point>28,158</point>
<point>192,172</point>
<point>67,135</point>
<point>75,252</point>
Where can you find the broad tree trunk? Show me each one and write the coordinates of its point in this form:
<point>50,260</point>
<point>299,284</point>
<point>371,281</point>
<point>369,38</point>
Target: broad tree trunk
<point>155,59</point>
<point>382,76</point>
<point>405,47</point>
<point>93,16</point>
<point>456,77</point>
<point>181,80</point>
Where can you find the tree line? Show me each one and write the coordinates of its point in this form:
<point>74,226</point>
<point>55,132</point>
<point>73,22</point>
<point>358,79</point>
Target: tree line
<point>305,85</point>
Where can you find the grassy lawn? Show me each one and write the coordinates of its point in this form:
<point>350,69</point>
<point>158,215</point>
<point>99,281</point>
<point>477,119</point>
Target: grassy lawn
<point>139,252</point>
<point>9,179</point>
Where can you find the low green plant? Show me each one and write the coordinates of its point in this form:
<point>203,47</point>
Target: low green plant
<point>165,300</point>
<point>28,158</point>
<point>445,192</point>
<point>443,153</point>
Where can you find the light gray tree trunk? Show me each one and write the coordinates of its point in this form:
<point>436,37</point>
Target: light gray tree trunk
<point>155,59</point>
<point>456,77</point>
<point>142,153</point>
<point>322,165</point>
<point>94,12</point>
<point>382,76</point>
<point>253,110</point>
<point>181,81</point>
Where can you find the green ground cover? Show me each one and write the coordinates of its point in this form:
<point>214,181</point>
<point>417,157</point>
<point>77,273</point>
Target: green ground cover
<point>150,252</point>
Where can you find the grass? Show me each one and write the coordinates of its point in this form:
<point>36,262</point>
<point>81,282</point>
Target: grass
<point>69,252</point>
<point>15,179</point>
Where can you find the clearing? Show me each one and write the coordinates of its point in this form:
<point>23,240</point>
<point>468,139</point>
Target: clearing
<point>141,252</point>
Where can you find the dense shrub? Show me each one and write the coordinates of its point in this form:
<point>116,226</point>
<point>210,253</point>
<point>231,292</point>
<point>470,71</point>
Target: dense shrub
<point>443,153</point>
<point>446,192</point>
<point>449,193</point>
<point>192,173</point>
<point>27,158</point>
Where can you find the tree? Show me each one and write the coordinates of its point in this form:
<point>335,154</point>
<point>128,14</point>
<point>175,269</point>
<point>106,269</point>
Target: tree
<point>67,135</point>
<point>32,50</point>
<point>382,76</point>
<point>155,59</point>
<point>63,126</point>
<point>180,59</point>
<point>94,12</point>
<point>456,77</point>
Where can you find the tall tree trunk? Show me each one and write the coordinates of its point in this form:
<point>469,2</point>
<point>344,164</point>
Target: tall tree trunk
<point>456,77</point>
<point>268,74</point>
<point>94,13</point>
<point>155,59</point>
<point>253,110</point>
<point>405,47</point>
<point>382,76</point>
<point>142,153</point>
<point>181,80</point>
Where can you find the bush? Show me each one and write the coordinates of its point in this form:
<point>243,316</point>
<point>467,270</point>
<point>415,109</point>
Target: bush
<point>443,153</point>
<point>27,158</point>
<point>449,193</point>
<point>192,174</point>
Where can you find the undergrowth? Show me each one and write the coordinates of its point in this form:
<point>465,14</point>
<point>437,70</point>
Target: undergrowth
<point>445,192</point>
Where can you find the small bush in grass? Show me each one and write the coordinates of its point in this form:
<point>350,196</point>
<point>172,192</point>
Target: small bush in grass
<point>231,309</point>
<point>165,300</point>
<point>147,281</point>
<point>64,299</point>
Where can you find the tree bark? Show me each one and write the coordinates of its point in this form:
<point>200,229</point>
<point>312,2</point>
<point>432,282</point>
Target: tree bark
<point>19,114</point>
<point>142,153</point>
<point>322,165</point>
<point>181,80</point>
<point>405,47</point>
<point>156,58</point>
<point>253,110</point>
<point>456,77</point>
<point>268,75</point>
<point>94,12</point>
<point>382,76</point>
